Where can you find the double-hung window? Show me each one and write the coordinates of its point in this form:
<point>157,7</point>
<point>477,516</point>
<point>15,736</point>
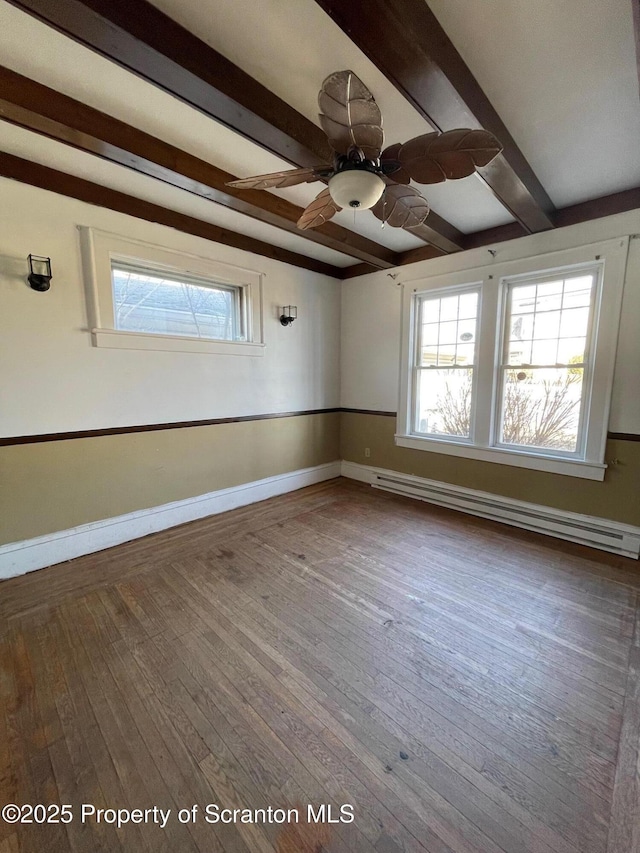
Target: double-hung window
<point>513,363</point>
<point>546,361</point>
<point>446,345</point>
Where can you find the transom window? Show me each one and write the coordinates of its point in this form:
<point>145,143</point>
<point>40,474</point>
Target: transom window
<point>513,366</point>
<point>145,297</point>
<point>156,302</point>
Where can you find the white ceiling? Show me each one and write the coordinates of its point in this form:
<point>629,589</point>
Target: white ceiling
<point>561,75</point>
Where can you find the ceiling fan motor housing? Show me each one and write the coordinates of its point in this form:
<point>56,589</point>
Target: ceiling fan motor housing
<point>357,187</point>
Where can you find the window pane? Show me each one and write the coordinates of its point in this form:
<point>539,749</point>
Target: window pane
<point>446,354</point>
<point>545,314</point>
<point>571,350</point>
<point>523,299</point>
<point>430,311</point>
<point>429,356</point>
<point>549,296</point>
<point>519,352</point>
<point>544,352</point>
<point>467,330</point>
<point>541,408</point>
<point>547,324</point>
<point>575,322</point>
<point>430,334</point>
<point>448,332</point>
<point>464,354</point>
<point>149,303</point>
<point>521,327</point>
<point>449,308</point>
<point>444,402</point>
<point>468,305</point>
<point>577,291</point>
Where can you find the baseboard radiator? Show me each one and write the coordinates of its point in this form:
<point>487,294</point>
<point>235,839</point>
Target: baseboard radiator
<point>586,530</point>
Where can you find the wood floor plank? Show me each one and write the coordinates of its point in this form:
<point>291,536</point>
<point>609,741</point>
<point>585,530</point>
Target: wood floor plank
<point>281,624</point>
<point>433,698</point>
<point>316,667</point>
<point>624,834</point>
<point>470,688</point>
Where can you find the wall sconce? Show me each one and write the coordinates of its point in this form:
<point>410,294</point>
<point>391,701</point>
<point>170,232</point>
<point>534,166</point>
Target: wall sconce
<point>289,314</point>
<point>39,273</point>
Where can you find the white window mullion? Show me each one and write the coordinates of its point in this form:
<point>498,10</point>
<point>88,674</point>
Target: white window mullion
<point>485,372</point>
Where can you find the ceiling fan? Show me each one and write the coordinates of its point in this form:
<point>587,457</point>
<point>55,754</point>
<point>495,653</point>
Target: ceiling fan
<point>363,176</point>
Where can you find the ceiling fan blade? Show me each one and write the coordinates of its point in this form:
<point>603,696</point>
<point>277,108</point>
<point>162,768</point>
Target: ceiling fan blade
<point>349,115</point>
<point>288,178</point>
<point>391,165</point>
<point>401,207</point>
<point>436,157</point>
<point>321,209</point>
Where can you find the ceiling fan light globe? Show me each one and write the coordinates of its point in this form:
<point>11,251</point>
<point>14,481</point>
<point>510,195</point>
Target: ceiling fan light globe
<point>358,189</point>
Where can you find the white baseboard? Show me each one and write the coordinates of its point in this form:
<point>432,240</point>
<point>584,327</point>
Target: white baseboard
<point>17,558</point>
<point>589,530</point>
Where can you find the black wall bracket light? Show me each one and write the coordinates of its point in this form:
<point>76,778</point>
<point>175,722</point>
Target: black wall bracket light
<point>39,273</point>
<point>289,314</point>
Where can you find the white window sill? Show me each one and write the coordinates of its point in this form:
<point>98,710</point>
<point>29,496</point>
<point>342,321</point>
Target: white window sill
<point>568,467</point>
<point>114,339</point>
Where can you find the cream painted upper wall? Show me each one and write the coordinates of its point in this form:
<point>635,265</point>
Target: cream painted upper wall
<point>370,360</point>
<point>54,380</point>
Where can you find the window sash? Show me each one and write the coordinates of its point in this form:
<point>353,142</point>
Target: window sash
<point>417,366</point>
<point>508,285</point>
<point>238,315</point>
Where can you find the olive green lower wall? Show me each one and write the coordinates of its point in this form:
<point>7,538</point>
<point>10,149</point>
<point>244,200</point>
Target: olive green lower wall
<point>617,497</point>
<point>58,485</point>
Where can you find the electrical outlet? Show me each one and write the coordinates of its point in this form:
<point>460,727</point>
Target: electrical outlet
<point>367,452</point>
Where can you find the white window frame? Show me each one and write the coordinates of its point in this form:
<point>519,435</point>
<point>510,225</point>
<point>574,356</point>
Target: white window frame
<point>474,287</point>
<point>101,248</point>
<point>588,463</point>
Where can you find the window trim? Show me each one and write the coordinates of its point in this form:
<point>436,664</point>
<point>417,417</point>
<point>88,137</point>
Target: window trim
<point>493,279</point>
<point>100,248</point>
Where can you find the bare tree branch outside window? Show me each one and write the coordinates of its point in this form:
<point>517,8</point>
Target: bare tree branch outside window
<point>535,412</point>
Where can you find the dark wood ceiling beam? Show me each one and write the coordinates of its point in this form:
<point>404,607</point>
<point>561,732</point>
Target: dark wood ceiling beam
<point>140,38</point>
<point>439,233</point>
<point>357,270</point>
<point>405,41</point>
<point>585,211</point>
<point>28,172</point>
<point>412,256</point>
<point>596,208</point>
<point>38,108</point>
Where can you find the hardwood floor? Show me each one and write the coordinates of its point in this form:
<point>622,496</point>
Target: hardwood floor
<point>467,687</point>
